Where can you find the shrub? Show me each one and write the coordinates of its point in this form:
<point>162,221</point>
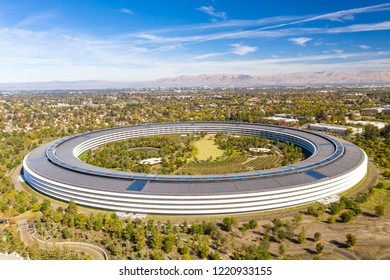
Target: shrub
<point>351,240</point>
<point>347,216</point>
<point>380,210</point>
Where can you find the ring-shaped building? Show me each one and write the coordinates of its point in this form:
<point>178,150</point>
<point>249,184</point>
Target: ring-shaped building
<point>334,165</point>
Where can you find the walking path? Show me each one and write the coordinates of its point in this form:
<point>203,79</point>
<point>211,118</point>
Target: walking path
<point>94,251</point>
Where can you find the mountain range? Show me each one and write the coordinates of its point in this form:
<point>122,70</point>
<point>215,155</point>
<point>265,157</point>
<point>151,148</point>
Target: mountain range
<point>303,79</point>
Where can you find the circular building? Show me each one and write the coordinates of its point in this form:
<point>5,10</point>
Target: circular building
<point>334,165</point>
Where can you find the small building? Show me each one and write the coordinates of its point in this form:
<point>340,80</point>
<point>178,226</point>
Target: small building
<point>372,111</point>
<point>151,161</point>
<point>259,150</point>
<point>379,125</point>
<point>341,129</point>
<point>282,119</point>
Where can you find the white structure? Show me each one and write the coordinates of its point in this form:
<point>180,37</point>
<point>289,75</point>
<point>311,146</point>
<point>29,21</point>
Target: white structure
<point>259,150</point>
<point>341,129</point>
<point>151,161</point>
<point>376,110</point>
<point>379,125</point>
<point>278,119</point>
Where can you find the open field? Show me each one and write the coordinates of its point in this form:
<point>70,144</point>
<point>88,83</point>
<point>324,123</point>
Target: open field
<point>206,148</point>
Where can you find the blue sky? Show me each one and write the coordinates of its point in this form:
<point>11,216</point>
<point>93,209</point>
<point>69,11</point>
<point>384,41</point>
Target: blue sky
<point>133,40</point>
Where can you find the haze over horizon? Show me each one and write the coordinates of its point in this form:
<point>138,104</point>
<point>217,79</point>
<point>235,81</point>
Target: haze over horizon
<point>144,41</point>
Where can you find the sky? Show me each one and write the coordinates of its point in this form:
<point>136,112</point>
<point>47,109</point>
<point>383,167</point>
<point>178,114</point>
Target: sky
<point>134,40</point>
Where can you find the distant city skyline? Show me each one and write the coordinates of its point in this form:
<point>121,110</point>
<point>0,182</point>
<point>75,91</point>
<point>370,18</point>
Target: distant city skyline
<point>124,40</point>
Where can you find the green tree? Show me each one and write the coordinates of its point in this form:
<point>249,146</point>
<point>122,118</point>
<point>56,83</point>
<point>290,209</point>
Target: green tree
<point>252,224</point>
<point>36,207</point>
<point>282,250</point>
<point>302,236</point>
<point>380,210</point>
<point>371,132</point>
<point>317,236</point>
<point>297,219</point>
<point>351,240</point>
<point>215,255</point>
<point>203,249</point>
<point>331,220</point>
<point>319,248</point>
<point>228,223</point>
<point>184,250</point>
<point>45,206</point>
<point>72,207</point>
<point>334,208</point>
<point>347,216</point>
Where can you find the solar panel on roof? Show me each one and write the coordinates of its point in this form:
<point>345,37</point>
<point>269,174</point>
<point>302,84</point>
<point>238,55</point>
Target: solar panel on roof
<point>315,174</point>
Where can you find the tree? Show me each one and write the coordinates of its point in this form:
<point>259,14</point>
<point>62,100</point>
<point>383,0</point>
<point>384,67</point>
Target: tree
<point>380,210</point>
<point>281,250</point>
<point>319,248</point>
<point>297,219</point>
<point>72,207</point>
<point>351,240</point>
<point>215,255</point>
<point>385,133</point>
<point>302,236</point>
<point>349,131</point>
<point>282,234</point>
<point>252,224</point>
<point>317,236</point>
<point>203,250</point>
<point>312,211</point>
<point>371,132</point>
<point>228,223</point>
<point>347,216</point>
<point>331,220</point>
<point>184,250</point>
<point>334,208</point>
<point>45,206</point>
<point>36,207</point>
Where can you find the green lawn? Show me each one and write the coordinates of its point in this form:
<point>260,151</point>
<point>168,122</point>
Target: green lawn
<point>206,147</point>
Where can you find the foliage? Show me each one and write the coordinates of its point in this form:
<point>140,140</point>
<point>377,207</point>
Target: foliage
<point>301,236</point>
<point>228,223</point>
<point>347,216</point>
<point>319,248</point>
<point>351,240</point>
<point>380,210</point>
<point>317,236</point>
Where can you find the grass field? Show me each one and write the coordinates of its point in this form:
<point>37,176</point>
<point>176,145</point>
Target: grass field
<point>206,147</point>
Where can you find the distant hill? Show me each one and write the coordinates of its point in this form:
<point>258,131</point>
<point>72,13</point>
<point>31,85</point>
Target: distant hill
<point>350,78</point>
<point>293,79</point>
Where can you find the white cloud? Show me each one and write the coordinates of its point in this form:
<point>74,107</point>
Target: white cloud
<point>349,14</point>
<point>364,47</point>
<point>126,11</point>
<point>206,55</point>
<point>261,33</point>
<point>242,49</point>
<point>34,19</point>
<point>209,10</point>
<point>301,41</point>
